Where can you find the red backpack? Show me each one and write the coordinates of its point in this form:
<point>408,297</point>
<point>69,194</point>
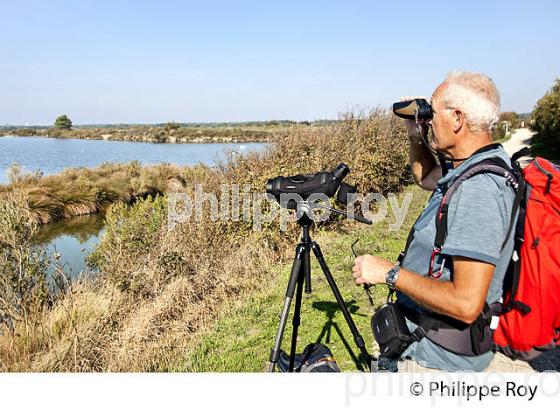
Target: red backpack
<point>529,320</point>
<point>529,313</point>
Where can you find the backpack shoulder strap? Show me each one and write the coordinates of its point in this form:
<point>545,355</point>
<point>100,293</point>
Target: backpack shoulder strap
<point>493,165</point>
<point>515,179</point>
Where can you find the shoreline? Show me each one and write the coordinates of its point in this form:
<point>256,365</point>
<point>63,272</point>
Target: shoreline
<point>56,196</point>
<point>213,140</point>
<point>172,134</point>
<point>194,141</point>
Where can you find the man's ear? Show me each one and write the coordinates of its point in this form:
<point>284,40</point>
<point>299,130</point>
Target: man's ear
<point>459,121</point>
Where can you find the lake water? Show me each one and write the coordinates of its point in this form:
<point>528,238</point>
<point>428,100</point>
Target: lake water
<point>73,239</point>
<point>52,155</point>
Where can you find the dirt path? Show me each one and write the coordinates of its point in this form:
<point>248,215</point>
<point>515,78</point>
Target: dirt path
<point>520,138</point>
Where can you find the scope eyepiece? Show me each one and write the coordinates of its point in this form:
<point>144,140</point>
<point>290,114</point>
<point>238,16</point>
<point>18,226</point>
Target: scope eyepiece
<point>346,194</point>
<point>341,171</point>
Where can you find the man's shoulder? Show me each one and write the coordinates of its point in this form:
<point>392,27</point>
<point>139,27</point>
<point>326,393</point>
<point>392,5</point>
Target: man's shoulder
<point>482,195</point>
<point>488,182</point>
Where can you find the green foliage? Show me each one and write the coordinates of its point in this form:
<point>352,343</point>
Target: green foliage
<point>510,116</point>
<point>175,132</point>
<point>546,122</point>
<point>499,133</point>
<point>23,267</point>
<point>63,123</point>
<point>507,122</point>
<point>131,233</point>
<point>373,145</point>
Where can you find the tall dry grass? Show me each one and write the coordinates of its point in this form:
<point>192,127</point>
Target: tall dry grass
<point>82,191</point>
<point>159,287</point>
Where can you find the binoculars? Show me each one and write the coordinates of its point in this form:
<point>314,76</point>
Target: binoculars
<point>417,109</point>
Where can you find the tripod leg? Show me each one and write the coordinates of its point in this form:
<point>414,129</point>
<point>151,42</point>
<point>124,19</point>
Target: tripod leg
<point>297,308</point>
<point>294,277</point>
<point>358,339</point>
<point>306,239</point>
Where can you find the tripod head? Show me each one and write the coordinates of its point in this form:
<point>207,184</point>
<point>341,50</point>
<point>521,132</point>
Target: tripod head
<point>305,215</point>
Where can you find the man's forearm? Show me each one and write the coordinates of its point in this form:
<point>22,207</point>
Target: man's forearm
<point>422,161</point>
<point>437,295</point>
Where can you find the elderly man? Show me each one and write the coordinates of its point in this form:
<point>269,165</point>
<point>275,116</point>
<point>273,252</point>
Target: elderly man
<point>473,262</point>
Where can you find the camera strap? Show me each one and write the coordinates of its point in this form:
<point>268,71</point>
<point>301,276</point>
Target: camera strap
<point>495,160</point>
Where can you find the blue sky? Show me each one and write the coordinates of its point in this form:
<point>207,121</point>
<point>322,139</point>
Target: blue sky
<point>204,61</point>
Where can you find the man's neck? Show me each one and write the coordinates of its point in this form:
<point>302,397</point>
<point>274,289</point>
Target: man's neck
<point>470,143</point>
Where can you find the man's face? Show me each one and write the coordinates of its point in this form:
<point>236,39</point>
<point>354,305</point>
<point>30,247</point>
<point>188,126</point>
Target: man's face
<point>442,122</point>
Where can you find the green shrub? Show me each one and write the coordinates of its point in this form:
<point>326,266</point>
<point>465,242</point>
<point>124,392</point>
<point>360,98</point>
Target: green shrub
<point>23,267</point>
<point>374,146</point>
<point>172,126</point>
<point>510,116</point>
<point>131,233</point>
<point>507,122</point>
<point>63,123</point>
<point>546,122</point>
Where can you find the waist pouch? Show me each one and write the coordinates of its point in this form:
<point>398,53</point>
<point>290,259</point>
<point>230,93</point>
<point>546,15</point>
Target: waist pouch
<point>390,331</point>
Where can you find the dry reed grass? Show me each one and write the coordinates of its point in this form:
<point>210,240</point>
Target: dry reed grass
<point>83,191</point>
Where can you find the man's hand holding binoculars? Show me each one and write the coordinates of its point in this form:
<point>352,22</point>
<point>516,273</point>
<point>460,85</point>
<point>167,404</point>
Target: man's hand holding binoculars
<point>412,126</point>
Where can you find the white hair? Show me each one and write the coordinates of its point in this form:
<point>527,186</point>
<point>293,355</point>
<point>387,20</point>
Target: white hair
<point>476,96</point>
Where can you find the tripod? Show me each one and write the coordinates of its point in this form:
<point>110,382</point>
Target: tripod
<point>300,274</point>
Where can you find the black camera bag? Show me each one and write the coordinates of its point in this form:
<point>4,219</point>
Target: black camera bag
<point>390,331</point>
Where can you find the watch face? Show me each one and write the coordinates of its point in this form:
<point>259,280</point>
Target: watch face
<point>392,275</point>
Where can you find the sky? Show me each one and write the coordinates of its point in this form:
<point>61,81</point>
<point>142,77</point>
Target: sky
<point>225,61</point>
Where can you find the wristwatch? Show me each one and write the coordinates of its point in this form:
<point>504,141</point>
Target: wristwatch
<point>392,275</point>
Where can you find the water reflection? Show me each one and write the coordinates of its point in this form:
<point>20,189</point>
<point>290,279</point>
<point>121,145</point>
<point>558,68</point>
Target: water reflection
<point>72,240</point>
